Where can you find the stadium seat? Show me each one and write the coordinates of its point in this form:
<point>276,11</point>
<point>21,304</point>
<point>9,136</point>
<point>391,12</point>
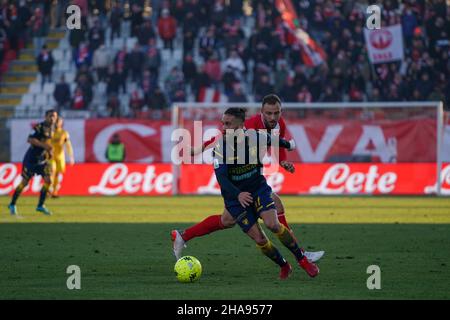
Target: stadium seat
<point>118,43</point>
<point>64,66</point>
<point>159,43</point>
<point>49,88</point>
<point>58,54</point>
<point>41,100</point>
<point>64,44</point>
<point>27,99</point>
<point>99,103</point>
<point>69,77</point>
<point>166,54</point>
<point>124,100</point>
<point>101,89</point>
<point>51,100</point>
<point>125,28</point>
<point>35,88</point>
<point>108,37</point>
<point>178,55</point>
<point>132,86</point>
<point>67,56</point>
<point>21,111</point>
<point>84,114</point>
<point>131,42</point>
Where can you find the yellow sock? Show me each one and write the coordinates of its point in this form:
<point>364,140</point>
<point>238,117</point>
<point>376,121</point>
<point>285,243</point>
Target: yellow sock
<point>55,183</point>
<point>270,251</point>
<point>289,242</point>
<point>285,236</point>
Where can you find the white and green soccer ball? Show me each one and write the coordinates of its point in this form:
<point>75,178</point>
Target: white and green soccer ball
<point>188,269</point>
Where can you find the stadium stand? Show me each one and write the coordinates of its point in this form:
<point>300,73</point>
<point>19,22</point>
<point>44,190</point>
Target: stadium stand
<point>159,52</point>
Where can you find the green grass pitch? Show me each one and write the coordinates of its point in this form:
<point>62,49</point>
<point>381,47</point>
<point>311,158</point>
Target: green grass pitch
<point>123,248</point>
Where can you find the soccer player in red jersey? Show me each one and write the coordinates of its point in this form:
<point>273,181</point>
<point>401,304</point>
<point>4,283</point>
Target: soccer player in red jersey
<point>269,119</point>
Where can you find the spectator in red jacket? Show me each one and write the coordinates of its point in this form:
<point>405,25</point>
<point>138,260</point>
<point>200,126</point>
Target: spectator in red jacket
<point>213,69</point>
<point>304,95</point>
<point>136,102</point>
<point>167,28</point>
<point>78,101</point>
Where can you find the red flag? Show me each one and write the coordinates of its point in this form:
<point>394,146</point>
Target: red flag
<point>210,95</point>
<point>312,54</point>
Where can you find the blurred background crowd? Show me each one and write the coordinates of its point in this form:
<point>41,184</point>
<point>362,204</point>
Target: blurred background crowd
<point>133,57</point>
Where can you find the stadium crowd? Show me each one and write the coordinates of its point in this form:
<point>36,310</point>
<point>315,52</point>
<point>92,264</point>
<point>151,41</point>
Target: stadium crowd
<point>218,52</point>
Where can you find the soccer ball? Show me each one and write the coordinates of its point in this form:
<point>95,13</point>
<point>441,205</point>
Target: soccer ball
<point>188,269</point>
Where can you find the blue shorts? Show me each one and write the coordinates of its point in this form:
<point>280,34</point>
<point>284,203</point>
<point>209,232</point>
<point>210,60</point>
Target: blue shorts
<point>31,169</point>
<point>247,217</point>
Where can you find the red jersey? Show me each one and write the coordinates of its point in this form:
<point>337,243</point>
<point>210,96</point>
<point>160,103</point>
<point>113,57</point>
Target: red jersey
<point>256,122</point>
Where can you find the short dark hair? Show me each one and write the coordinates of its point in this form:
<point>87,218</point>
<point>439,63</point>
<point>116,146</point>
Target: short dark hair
<point>50,111</point>
<point>271,99</point>
<point>237,112</point>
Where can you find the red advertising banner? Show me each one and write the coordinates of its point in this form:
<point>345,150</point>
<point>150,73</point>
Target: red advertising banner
<point>143,139</point>
<point>334,179</point>
<point>317,140</point>
<point>98,179</point>
<point>384,141</point>
<point>156,179</point>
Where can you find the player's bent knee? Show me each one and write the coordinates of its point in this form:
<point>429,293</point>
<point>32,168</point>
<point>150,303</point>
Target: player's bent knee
<point>227,220</point>
<point>270,220</point>
<point>273,226</point>
<point>261,242</point>
<point>259,239</point>
<point>228,224</point>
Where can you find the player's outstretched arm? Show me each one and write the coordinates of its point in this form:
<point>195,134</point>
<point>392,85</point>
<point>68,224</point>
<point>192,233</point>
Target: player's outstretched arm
<point>196,150</point>
<point>205,146</point>
<point>283,143</point>
<point>70,151</point>
<point>35,142</point>
<point>289,145</point>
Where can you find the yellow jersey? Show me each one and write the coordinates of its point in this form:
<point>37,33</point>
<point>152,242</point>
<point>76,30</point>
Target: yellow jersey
<point>59,139</point>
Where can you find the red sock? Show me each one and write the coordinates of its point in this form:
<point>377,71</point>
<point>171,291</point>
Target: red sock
<point>210,224</point>
<point>282,219</point>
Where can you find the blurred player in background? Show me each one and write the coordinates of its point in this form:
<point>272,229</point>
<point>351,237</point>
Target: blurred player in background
<point>269,119</point>
<point>60,139</point>
<point>37,161</point>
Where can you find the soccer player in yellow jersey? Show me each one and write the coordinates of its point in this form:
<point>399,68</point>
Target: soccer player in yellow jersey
<point>60,139</point>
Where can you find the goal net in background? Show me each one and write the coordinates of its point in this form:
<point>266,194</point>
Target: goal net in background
<point>342,148</point>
